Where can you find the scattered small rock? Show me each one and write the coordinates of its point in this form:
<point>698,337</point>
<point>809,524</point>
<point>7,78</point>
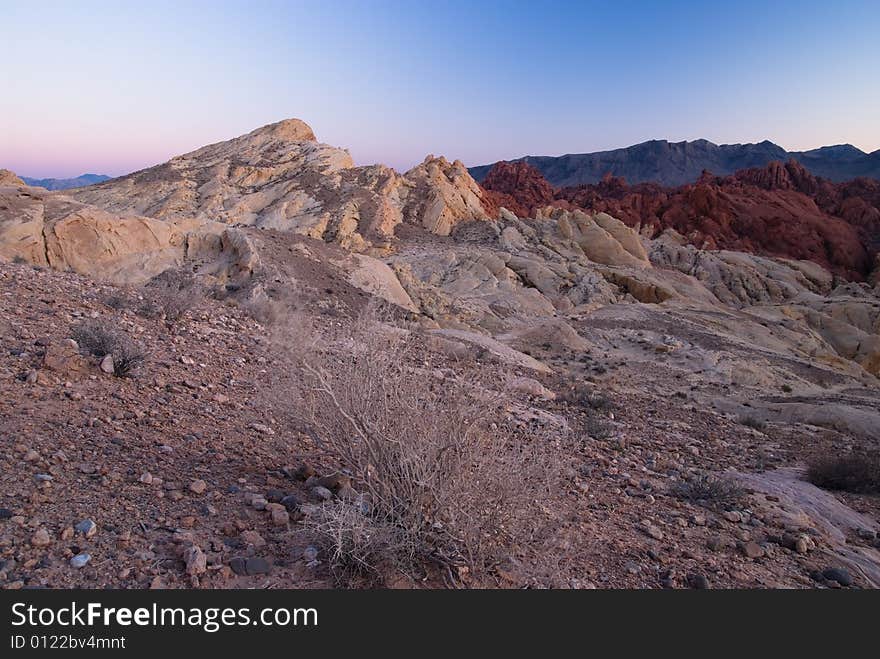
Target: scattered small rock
<point>198,487</point>
<point>107,364</point>
<point>697,581</point>
<point>87,528</point>
<point>751,549</point>
<point>41,538</point>
<point>322,493</point>
<point>196,561</point>
<point>80,560</point>
<point>249,566</point>
<point>838,574</point>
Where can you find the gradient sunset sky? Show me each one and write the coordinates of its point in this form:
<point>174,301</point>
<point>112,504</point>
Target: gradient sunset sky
<point>111,87</point>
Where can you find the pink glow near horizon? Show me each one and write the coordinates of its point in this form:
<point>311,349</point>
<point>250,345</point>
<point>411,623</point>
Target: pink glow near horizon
<point>394,81</point>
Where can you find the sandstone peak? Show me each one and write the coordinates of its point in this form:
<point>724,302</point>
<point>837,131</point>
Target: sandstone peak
<point>280,177</point>
<point>289,130</point>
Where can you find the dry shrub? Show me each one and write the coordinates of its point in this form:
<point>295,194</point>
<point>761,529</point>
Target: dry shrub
<point>95,337</point>
<point>710,491</point>
<point>753,422</point>
<point>855,473</point>
<point>117,301</point>
<point>170,295</point>
<point>598,427</point>
<point>440,482</point>
<point>588,398</point>
<point>355,542</point>
<point>265,311</point>
<point>127,359</point>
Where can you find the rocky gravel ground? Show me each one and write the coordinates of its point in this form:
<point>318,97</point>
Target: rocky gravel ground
<point>185,474</point>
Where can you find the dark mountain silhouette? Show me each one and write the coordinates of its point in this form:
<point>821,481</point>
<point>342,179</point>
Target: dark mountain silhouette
<point>65,183</point>
<point>678,163</point>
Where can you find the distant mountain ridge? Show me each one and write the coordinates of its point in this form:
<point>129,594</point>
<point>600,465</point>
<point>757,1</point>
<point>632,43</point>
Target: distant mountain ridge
<point>66,183</point>
<point>679,163</point>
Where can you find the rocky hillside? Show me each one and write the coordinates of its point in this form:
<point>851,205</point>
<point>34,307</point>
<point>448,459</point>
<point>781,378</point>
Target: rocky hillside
<point>260,366</point>
<point>678,163</point>
<point>279,176</point>
<point>778,210</point>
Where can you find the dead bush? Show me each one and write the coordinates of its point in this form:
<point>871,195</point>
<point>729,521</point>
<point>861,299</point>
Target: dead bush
<point>116,301</point>
<point>170,295</point>
<point>440,482</point>
<point>355,543</point>
<point>710,491</point>
<point>127,358</point>
<point>95,337</point>
<point>754,423</point>
<point>598,428</point>
<point>857,473</point>
<point>588,397</point>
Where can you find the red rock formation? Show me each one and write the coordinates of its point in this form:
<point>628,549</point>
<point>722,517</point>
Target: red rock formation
<point>777,210</point>
<point>518,186</point>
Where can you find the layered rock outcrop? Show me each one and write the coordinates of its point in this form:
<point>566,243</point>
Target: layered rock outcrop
<point>279,176</point>
<point>779,210</point>
<point>53,230</point>
<point>519,187</point>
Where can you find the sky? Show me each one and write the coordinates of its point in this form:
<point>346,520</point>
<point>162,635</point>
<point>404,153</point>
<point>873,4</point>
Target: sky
<point>112,87</point>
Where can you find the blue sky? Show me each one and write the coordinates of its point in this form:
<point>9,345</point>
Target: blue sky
<point>112,87</point>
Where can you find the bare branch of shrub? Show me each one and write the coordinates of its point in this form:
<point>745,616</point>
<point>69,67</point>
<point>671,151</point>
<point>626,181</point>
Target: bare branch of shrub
<point>127,359</point>
<point>710,491</point>
<point>170,295</point>
<point>754,423</point>
<point>421,450</point>
<point>95,337</point>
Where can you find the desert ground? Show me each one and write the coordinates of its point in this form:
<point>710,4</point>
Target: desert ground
<point>261,366</point>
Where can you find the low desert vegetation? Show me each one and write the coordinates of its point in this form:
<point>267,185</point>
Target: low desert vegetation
<point>438,479</point>
<point>127,359</point>
<point>589,398</point>
<point>710,491</point>
<point>854,472</point>
<point>598,427</point>
<point>96,337</point>
<point>170,296</point>
<point>117,301</point>
<point>753,423</point>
